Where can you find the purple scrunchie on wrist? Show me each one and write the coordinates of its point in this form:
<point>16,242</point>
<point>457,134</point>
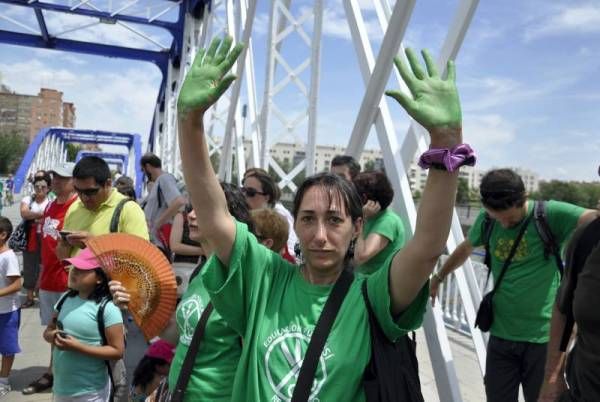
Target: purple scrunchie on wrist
<point>451,159</point>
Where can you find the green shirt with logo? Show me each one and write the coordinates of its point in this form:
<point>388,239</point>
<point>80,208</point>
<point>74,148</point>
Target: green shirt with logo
<point>266,300</point>
<point>219,352</point>
<point>523,302</point>
<point>389,225</point>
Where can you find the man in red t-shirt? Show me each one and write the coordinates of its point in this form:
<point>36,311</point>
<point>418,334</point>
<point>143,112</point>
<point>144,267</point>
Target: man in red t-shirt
<point>53,276</point>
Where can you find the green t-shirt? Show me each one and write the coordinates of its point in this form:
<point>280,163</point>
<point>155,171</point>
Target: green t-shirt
<point>389,225</point>
<point>76,373</point>
<point>268,302</point>
<point>523,303</point>
<point>218,354</point>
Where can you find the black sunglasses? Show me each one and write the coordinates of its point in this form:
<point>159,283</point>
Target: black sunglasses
<point>88,192</point>
<point>251,192</point>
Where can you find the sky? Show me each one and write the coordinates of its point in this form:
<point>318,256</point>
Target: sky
<point>526,73</point>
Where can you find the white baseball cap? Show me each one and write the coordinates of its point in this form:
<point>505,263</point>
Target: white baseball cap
<point>63,169</point>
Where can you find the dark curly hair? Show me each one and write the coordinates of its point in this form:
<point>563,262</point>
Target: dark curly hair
<point>374,186</point>
<point>502,189</point>
<point>144,371</point>
<point>237,205</point>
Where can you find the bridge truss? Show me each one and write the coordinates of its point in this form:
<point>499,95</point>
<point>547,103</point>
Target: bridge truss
<point>193,23</point>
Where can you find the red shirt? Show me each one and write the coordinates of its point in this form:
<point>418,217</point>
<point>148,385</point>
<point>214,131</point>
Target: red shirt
<point>53,276</point>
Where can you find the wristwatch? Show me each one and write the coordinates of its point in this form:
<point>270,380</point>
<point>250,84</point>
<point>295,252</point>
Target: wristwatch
<point>437,276</point>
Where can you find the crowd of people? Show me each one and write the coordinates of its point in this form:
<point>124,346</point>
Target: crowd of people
<point>279,305</point>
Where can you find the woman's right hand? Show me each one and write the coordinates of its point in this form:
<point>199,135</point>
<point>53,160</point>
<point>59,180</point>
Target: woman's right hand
<point>119,294</point>
<point>208,77</point>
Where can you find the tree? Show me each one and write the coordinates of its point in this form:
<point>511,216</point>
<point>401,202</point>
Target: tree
<point>12,148</point>
<point>369,165</point>
<point>578,193</point>
<point>463,193</point>
<point>72,151</point>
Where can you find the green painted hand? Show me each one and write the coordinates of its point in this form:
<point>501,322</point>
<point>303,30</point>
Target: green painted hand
<point>206,81</point>
<point>434,102</point>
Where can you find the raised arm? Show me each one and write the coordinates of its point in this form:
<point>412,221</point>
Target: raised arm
<point>203,85</point>
<point>435,105</point>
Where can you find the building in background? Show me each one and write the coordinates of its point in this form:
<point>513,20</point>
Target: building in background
<point>27,114</point>
<point>289,154</point>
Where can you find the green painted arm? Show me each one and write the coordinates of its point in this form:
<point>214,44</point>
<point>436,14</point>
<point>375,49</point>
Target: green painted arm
<point>207,80</point>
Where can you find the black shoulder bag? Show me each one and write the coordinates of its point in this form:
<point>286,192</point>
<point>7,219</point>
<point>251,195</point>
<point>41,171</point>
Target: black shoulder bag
<point>485,314</point>
<point>319,336</point>
<point>392,374</point>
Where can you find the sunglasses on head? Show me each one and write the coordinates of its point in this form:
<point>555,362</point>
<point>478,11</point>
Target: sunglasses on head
<point>88,192</point>
<point>251,192</point>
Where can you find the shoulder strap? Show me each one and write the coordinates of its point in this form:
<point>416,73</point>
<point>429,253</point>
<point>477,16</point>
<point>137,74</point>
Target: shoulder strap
<point>319,336</point>
<point>190,356</point>
<point>159,194</point>
<point>116,217</point>
<point>61,301</point>
<point>545,233</point>
<point>512,253</point>
<point>487,226</point>
<point>100,321</point>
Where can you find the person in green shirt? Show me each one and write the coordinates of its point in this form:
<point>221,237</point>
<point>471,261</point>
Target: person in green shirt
<point>211,378</point>
<point>383,229</point>
<point>522,304</point>
<point>274,305</point>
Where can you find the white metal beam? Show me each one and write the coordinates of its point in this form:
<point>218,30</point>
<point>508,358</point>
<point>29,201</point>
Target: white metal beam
<point>234,115</point>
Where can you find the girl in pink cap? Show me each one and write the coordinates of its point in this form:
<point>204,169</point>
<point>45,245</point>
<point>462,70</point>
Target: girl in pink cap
<point>151,370</point>
<point>86,332</point>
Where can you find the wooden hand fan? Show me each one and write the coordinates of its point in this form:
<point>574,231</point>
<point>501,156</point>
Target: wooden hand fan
<point>146,275</point>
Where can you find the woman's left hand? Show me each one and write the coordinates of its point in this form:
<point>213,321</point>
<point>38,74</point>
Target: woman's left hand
<point>66,342</point>
<point>434,102</point>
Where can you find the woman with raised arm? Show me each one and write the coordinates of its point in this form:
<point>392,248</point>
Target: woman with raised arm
<point>274,305</point>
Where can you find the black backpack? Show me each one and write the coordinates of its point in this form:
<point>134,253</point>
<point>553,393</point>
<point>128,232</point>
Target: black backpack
<point>551,247</point>
<point>101,328</point>
<point>392,373</point>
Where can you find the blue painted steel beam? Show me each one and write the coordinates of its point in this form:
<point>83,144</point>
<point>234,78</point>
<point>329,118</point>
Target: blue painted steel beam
<point>42,23</point>
<point>21,39</point>
<point>170,26</point>
<point>131,141</point>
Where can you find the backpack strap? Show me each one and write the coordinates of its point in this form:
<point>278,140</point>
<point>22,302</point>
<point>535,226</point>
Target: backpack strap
<point>116,217</point>
<point>60,303</point>
<point>101,330</point>
<point>190,356</point>
<point>159,195</point>
<point>487,227</point>
<point>545,233</point>
<point>319,337</point>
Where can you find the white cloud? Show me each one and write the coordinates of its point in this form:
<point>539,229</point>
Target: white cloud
<point>106,100</point>
<point>488,132</point>
<point>582,19</point>
<point>492,92</point>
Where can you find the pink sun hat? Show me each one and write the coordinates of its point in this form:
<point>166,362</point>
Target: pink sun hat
<point>85,260</point>
<point>161,349</point>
